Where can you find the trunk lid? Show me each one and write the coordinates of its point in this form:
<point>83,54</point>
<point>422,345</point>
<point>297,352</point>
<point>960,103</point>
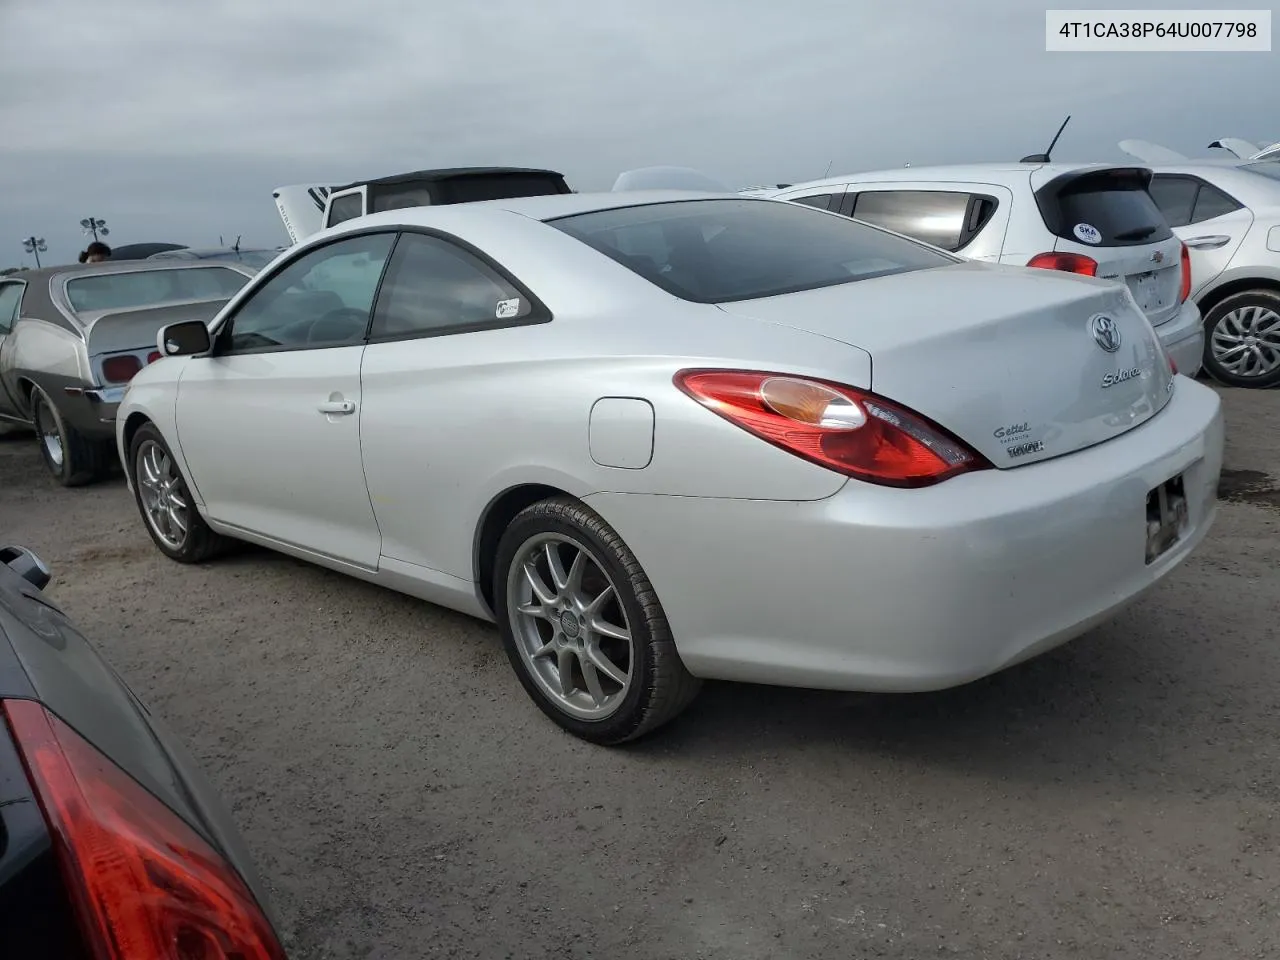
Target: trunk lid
<point>1006,358</point>
<point>1106,214</point>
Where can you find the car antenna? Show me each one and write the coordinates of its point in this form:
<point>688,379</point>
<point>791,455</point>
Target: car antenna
<point>1044,157</point>
<point>236,248</point>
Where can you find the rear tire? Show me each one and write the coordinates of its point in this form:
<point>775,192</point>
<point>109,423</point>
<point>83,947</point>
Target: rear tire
<point>165,504</point>
<point>1242,339</point>
<point>589,641</point>
<point>72,458</point>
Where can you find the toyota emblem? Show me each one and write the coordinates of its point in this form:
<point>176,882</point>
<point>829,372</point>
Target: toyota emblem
<point>1105,333</point>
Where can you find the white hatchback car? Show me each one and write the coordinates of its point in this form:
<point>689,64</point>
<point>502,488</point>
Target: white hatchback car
<point>1092,219</point>
<point>1228,214</point>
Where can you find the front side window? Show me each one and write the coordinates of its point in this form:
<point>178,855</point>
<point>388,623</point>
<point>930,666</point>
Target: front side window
<point>322,299</point>
<point>10,297</point>
<point>717,251</point>
<point>433,286</point>
<point>148,288</point>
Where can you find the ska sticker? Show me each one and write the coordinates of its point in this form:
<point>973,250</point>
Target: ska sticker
<point>507,308</point>
<point>1087,233</point>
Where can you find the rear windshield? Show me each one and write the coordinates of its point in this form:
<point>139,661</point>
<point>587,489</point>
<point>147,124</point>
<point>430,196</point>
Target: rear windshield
<point>468,189</point>
<point>716,251</point>
<point>1103,209</point>
<point>145,288</point>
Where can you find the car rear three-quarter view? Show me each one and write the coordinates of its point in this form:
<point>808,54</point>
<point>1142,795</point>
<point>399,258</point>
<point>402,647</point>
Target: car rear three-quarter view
<point>670,437</point>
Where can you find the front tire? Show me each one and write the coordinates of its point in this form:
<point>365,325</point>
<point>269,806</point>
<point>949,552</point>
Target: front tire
<point>168,511</point>
<point>73,459</point>
<point>1242,339</point>
<point>583,627</point>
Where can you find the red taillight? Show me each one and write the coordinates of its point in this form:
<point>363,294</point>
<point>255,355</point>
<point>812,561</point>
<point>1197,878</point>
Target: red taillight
<point>153,356</point>
<point>143,882</point>
<point>844,429</point>
<point>1066,262</point>
<point>1186,275</point>
<point>120,369</point>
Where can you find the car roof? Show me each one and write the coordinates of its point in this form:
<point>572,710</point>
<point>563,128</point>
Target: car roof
<point>452,173</point>
<point>545,207</point>
<point>1000,172</point>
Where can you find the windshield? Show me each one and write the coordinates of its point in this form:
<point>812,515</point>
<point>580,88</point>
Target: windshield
<point>716,251</point>
<point>145,288</point>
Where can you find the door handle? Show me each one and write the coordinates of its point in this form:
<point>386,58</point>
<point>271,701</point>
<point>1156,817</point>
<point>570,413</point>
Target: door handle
<point>337,407</point>
<point>1208,243</point>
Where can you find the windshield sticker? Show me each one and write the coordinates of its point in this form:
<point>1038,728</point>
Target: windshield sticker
<point>507,308</point>
<point>1087,233</point>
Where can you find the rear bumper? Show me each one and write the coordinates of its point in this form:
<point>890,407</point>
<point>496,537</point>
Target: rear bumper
<point>909,590</point>
<point>1183,339</point>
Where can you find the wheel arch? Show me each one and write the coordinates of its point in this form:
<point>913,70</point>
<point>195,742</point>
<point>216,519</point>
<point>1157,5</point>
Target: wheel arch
<point>132,424</point>
<point>1230,288</point>
<point>494,519</point>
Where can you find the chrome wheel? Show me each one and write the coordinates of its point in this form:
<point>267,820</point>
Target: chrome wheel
<point>569,626</point>
<point>160,490</point>
<point>50,437</point>
<point>1246,341</point>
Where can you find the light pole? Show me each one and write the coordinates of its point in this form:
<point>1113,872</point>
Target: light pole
<point>34,246</point>
<point>95,226</point>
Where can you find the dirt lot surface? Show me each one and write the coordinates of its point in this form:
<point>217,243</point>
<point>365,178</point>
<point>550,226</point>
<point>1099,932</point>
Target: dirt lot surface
<point>1115,798</point>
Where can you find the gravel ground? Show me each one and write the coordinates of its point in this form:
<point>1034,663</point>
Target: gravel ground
<point>1115,798</point>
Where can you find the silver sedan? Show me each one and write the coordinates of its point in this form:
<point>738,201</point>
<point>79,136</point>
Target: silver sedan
<point>662,437</point>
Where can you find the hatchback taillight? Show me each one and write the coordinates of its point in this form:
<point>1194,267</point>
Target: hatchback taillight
<point>144,884</point>
<point>1186,275</point>
<point>153,356</point>
<point>120,369</point>
<point>1066,262</point>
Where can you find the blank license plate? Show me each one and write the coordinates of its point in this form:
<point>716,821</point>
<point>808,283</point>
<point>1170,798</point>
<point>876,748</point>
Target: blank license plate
<point>1166,517</point>
<point>1146,291</point>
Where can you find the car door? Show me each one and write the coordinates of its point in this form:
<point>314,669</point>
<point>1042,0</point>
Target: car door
<point>964,218</point>
<point>1208,220</point>
<point>10,299</point>
<point>268,422</point>
<point>446,333</point>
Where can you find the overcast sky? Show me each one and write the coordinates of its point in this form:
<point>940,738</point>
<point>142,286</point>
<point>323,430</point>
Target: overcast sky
<point>174,120</point>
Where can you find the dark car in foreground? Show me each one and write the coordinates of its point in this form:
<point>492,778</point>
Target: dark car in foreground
<point>113,846</point>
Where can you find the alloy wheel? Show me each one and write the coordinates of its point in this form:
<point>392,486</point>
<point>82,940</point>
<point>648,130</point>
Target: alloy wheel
<point>1246,341</point>
<point>160,490</point>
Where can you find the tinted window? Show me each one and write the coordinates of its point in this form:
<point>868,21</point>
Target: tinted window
<point>1112,207</point>
<point>345,208</point>
<point>10,297</point>
<point>1212,202</point>
<point>322,299</point>
<point>473,189</point>
<point>145,288</point>
<point>1176,198</point>
<point>822,201</point>
<point>434,286</point>
<point>934,216</point>
<point>720,250</point>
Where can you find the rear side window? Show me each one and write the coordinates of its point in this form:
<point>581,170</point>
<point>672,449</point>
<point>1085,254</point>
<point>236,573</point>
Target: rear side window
<point>716,251</point>
<point>1102,208</point>
<point>433,286</point>
<point>822,201</point>
<point>944,218</point>
<point>1187,200</point>
<point>145,288</point>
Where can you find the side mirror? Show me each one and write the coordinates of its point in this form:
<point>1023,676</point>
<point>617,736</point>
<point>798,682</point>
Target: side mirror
<point>184,339</point>
<point>26,565</point>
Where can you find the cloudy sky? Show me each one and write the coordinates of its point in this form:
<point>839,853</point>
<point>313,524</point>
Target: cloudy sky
<point>174,120</point>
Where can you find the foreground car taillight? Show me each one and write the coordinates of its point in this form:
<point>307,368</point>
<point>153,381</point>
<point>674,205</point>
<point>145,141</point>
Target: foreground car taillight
<point>143,882</point>
<point>120,369</point>
<point>1066,262</point>
<point>851,431</point>
<point>1186,275</point>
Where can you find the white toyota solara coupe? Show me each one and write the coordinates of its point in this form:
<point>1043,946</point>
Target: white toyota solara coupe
<point>661,437</point>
